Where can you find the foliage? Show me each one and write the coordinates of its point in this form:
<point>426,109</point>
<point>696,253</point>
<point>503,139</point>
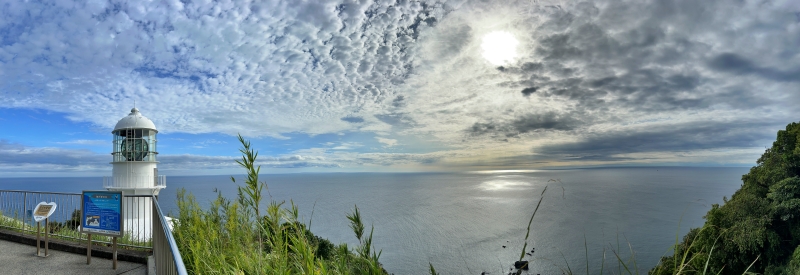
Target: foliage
<point>68,230</point>
<point>232,236</point>
<point>758,229</point>
<point>432,270</point>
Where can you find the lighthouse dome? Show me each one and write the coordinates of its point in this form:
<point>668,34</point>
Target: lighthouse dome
<point>135,120</point>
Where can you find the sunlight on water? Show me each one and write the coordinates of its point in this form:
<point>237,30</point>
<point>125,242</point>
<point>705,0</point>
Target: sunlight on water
<point>504,171</point>
<point>503,184</point>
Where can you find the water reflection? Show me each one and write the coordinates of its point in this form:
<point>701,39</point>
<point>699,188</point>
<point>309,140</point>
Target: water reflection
<point>504,185</point>
<point>490,172</point>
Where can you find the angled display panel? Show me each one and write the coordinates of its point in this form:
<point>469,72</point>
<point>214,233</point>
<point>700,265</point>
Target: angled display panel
<point>101,213</point>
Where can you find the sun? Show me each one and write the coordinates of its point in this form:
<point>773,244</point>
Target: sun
<point>499,47</point>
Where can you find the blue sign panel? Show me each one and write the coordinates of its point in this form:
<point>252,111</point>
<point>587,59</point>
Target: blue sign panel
<point>101,213</point>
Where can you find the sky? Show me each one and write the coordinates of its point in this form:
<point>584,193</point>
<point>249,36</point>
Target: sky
<point>396,85</point>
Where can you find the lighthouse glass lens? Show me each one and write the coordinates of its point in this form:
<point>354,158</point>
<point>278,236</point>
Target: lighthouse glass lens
<point>134,149</point>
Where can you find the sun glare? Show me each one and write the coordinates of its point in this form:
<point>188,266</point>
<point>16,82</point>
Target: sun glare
<point>499,47</point>
<point>504,185</point>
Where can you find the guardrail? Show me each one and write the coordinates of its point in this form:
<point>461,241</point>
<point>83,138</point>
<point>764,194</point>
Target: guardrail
<point>16,208</point>
<point>138,218</point>
<point>165,251</point>
<point>16,212</point>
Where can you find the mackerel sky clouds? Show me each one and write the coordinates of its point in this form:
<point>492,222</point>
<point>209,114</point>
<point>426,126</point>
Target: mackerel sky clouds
<point>397,85</point>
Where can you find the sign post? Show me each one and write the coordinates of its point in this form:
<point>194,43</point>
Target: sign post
<point>42,212</point>
<point>101,213</point>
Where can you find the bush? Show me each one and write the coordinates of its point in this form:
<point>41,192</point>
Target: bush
<point>758,228</point>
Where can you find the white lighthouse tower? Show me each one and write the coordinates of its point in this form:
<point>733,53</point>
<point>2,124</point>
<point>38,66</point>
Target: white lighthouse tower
<point>134,171</point>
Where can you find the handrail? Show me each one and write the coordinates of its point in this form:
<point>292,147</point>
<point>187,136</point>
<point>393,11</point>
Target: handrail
<point>16,207</point>
<point>167,257</point>
<point>38,192</point>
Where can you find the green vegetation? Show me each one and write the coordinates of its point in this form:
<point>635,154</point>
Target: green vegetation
<point>9,222</point>
<point>758,229</point>
<point>232,237</point>
<point>68,230</point>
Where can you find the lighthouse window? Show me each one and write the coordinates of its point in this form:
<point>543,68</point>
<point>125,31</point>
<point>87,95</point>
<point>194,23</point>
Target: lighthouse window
<point>134,149</point>
<point>134,145</point>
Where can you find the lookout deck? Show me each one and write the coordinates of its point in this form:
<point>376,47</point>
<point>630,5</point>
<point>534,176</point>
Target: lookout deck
<point>16,258</point>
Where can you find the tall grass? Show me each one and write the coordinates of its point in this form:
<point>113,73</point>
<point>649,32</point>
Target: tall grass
<point>239,237</point>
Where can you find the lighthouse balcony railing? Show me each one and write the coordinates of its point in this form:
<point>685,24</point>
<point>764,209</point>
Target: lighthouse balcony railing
<point>131,182</point>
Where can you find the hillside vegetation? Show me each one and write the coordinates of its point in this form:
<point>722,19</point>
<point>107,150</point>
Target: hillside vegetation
<point>758,229</point>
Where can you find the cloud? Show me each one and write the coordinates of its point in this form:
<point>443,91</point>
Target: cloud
<point>49,159</point>
<point>685,137</point>
<point>596,73</point>
<point>594,80</point>
<point>195,162</point>
<point>387,141</point>
<point>735,64</point>
<point>347,146</point>
<point>206,143</point>
<point>92,142</point>
<point>353,119</point>
<point>16,157</point>
<point>192,67</point>
<point>525,124</point>
<point>528,91</point>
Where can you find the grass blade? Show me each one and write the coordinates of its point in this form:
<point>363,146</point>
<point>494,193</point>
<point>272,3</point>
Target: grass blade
<point>528,233</point>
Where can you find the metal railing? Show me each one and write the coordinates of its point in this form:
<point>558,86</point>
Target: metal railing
<point>16,209</point>
<point>16,214</point>
<point>136,182</point>
<point>138,218</point>
<point>165,250</point>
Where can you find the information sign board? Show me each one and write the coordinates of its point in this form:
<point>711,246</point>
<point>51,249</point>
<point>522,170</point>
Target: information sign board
<point>43,210</point>
<point>101,213</point>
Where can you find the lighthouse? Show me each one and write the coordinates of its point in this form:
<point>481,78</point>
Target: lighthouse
<point>135,171</point>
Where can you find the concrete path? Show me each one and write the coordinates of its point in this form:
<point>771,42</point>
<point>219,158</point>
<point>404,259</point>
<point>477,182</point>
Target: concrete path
<point>18,258</point>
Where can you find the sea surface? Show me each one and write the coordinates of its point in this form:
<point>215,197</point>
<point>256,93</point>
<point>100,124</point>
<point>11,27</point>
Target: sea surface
<point>471,222</point>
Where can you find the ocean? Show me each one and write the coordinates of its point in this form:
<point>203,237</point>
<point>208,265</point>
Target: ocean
<point>473,222</point>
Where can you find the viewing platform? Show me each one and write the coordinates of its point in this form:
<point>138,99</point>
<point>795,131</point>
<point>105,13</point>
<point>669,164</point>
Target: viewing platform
<point>17,258</point>
<point>68,245</point>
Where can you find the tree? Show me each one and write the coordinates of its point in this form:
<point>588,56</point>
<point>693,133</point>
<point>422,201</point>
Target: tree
<point>758,229</point>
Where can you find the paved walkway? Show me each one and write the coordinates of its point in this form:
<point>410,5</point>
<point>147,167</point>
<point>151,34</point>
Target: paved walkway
<point>18,258</point>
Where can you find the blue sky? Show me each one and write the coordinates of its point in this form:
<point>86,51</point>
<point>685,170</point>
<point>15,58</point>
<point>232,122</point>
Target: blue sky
<point>395,85</point>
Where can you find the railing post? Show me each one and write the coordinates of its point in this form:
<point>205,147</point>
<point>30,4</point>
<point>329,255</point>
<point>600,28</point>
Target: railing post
<point>24,211</point>
<point>155,239</point>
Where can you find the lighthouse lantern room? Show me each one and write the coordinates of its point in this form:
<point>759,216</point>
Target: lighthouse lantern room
<point>134,157</point>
